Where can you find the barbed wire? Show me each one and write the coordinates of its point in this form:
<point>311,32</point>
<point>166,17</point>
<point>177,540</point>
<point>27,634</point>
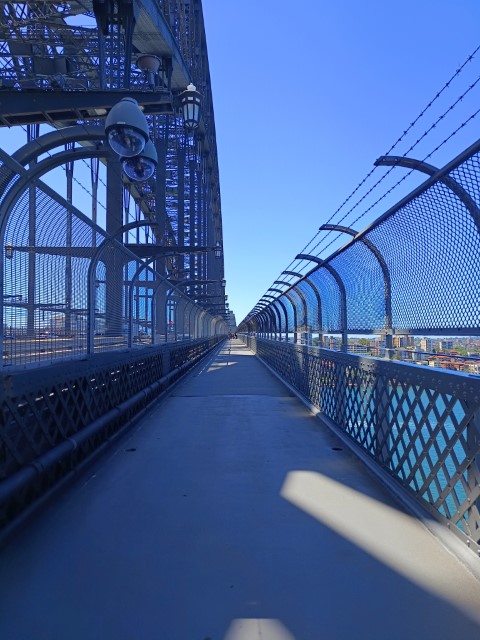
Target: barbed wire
<point>415,144</point>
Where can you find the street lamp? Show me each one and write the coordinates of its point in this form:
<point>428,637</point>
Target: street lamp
<point>218,249</point>
<point>126,128</point>
<point>224,283</point>
<point>190,101</point>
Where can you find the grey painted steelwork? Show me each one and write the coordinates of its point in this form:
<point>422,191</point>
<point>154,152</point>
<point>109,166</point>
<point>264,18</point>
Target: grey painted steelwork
<point>421,426</point>
<point>65,343</point>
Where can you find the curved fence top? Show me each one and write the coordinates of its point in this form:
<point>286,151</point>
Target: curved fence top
<point>415,270</point>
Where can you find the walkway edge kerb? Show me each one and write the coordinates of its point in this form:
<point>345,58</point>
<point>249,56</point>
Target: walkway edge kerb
<point>447,538</point>
<point>22,478</point>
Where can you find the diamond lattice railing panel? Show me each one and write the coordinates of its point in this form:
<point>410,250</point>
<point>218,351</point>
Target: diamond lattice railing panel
<point>421,425</point>
<point>46,413</point>
<point>40,414</point>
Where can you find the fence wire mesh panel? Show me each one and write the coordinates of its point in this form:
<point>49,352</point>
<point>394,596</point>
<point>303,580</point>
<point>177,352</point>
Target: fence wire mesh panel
<point>421,425</point>
<point>364,287</point>
<point>49,252</point>
<point>416,270</point>
<point>432,248</point>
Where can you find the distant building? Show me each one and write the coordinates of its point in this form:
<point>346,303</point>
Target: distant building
<point>418,355</point>
<point>358,348</point>
<point>446,345</point>
<point>402,341</point>
<point>427,344</point>
<point>333,343</point>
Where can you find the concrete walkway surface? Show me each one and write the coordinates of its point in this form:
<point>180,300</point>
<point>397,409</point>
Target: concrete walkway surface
<point>229,513</point>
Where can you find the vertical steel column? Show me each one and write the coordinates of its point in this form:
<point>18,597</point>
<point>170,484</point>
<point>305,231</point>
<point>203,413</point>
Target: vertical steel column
<point>94,171</point>
<point>181,204</point>
<point>161,145</point>
<point>192,214</point>
<point>114,263</point>
<point>196,230</point>
<point>32,133</point>
<point>68,244</point>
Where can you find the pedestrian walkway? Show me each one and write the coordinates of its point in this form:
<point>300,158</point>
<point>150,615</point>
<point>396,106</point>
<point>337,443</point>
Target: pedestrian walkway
<point>230,513</point>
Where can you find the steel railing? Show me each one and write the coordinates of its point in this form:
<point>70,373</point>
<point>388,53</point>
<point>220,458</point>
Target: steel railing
<point>421,425</point>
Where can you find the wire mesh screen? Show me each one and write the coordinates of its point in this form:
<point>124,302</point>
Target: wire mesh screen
<point>311,302</point>
<point>432,249</point>
<point>296,300</point>
<point>362,277</point>
<point>330,297</point>
<point>48,312</point>
<point>415,270</point>
<point>45,280</point>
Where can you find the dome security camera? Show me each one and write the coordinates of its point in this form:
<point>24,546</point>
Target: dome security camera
<point>141,167</point>
<point>126,128</point>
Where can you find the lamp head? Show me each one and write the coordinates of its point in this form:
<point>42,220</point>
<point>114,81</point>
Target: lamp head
<point>126,128</point>
<point>190,102</point>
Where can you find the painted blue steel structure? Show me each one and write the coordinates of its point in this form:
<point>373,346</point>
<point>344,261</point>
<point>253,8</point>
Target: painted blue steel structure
<point>120,292</point>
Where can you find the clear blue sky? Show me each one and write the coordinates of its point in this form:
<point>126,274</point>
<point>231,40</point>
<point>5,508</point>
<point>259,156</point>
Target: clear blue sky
<point>307,95</point>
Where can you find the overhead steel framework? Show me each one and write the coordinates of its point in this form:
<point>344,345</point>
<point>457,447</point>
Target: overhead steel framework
<point>63,66</point>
